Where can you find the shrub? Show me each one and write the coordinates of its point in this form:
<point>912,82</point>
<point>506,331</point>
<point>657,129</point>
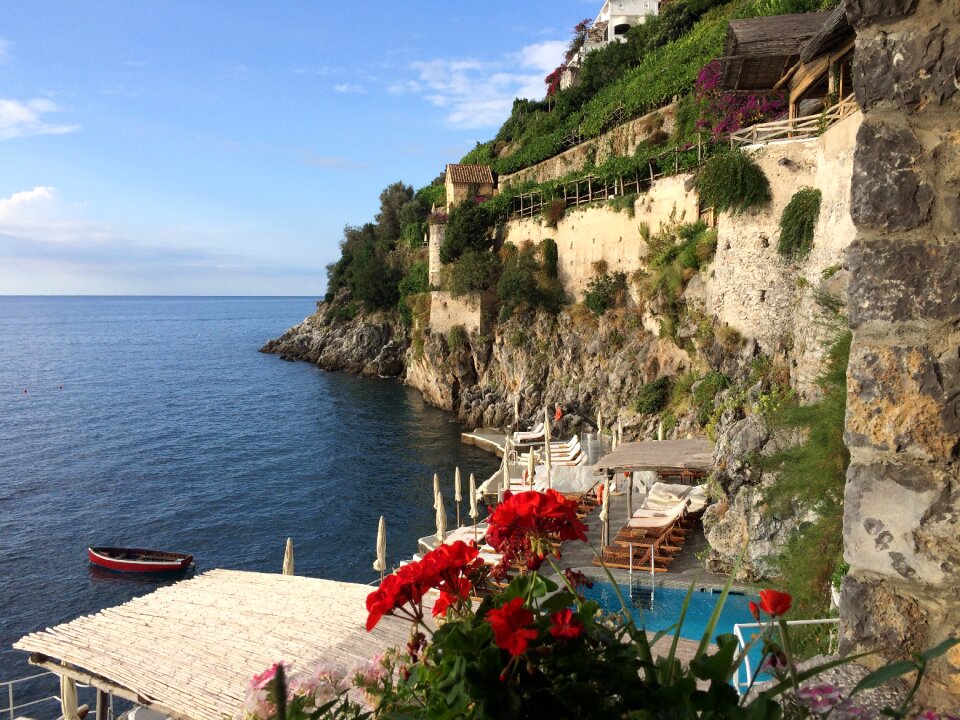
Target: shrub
<point>457,338</point>
<point>652,397</point>
<point>416,281</point>
<point>550,257</point>
<point>704,393</point>
<point>622,203</point>
<point>604,292</point>
<point>473,272</point>
<point>812,477</point>
<point>798,222</point>
<point>468,228</point>
<point>554,211</point>
<point>732,182</point>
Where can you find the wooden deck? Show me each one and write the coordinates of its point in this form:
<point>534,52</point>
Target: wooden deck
<point>190,649</point>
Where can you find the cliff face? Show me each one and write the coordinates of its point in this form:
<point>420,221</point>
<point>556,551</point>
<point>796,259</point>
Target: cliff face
<point>585,363</point>
<point>373,344</point>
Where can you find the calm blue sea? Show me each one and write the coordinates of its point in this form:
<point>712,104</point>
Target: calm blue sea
<point>155,422</point>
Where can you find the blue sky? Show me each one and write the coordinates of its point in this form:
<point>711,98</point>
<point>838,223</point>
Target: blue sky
<point>171,147</point>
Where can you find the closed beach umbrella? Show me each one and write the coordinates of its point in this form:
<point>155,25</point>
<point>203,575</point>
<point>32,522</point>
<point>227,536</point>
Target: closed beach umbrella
<point>619,432</point>
<point>436,490</point>
<point>473,498</point>
<point>546,446</point>
<point>473,504</point>
<point>599,422</point>
<point>381,563</point>
<point>457,492</point>
<point>605,511</point>
<point>441,519</point>
<point>288,558</point>
<point>531,466</point>
<point>506,465</point>
<point>516,411</point>
<point>68,697</point>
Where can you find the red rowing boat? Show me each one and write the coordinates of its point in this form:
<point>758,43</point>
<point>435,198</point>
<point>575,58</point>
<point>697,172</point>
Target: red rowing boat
<point>139,560</point>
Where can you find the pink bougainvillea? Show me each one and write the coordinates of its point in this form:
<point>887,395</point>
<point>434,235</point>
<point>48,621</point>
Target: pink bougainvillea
<point>723,112</point>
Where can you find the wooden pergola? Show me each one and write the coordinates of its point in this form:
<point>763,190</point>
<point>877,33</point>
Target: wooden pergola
<point>686,460</point>
<point>189,650</point>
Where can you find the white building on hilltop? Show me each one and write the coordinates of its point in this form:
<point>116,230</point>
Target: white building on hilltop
<point>615,19</point>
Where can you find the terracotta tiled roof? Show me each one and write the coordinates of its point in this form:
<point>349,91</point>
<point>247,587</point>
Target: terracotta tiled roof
<point>470,173</point>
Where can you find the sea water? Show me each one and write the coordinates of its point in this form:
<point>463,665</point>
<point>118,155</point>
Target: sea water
<point>154,422</point>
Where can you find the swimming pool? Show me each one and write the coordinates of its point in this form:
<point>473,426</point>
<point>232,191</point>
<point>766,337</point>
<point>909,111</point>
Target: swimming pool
<point>659,609</point>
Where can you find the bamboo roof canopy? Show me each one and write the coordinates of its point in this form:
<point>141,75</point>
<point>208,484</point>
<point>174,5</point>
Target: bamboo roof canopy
<point>481,174</point>
<point>190,649</point>
<point>835,30</point>
<point>758,51</point>
<point>666,457</point>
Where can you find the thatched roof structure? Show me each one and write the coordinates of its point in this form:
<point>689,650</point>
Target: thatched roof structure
<point>189,650</point>
<point>834,31</point>
<point>690,458</point>
<point>758,51</point>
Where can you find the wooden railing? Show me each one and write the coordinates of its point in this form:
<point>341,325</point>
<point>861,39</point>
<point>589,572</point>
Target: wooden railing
<point>799,128</point>
<point>592,188</point>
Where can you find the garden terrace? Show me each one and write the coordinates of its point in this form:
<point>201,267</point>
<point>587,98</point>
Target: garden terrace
<point>190,649</point>
<point>637,177</point>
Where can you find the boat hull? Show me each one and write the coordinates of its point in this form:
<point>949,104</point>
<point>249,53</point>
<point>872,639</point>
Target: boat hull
<point>138,560</point>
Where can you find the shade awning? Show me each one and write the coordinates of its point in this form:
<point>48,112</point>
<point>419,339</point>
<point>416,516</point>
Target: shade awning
<point>666,457</point>
<point>190,649</point>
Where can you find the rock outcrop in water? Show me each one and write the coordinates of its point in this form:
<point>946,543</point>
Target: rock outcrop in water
<point>370,344</point>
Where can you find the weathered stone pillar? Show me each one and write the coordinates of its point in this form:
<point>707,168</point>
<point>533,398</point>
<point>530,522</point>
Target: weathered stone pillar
<point>902,506</point>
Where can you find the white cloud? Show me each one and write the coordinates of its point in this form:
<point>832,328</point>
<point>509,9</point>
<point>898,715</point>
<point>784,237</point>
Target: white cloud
<point>479,93</point>
<point>349,88</point>
<point>22,119</point>
<point>17,203</point>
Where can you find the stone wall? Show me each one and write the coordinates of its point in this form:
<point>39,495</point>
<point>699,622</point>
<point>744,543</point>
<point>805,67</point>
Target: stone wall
<point>622,140</point>
<point>752,287</point>
<point>448,310</point>
<point>584,236</point>
<point>902,505</point>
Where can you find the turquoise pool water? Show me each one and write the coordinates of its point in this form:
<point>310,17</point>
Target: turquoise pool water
<point>659,609</point>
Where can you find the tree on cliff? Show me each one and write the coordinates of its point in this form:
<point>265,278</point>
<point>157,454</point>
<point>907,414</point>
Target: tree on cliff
<point>392,200</point>
<point>468,228</point>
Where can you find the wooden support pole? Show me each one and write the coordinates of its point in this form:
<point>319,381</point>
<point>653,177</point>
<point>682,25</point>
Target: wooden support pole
<point>103,705</point>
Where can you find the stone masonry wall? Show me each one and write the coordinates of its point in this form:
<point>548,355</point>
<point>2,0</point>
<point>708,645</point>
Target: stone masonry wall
<point>758,292</point>
<point>448,310</point>
<point>621,140</point>
<point>902,505</point>
<point>586,235</point>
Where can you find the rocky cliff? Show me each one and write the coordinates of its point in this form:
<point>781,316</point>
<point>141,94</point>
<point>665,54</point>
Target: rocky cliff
<point>368,344</point>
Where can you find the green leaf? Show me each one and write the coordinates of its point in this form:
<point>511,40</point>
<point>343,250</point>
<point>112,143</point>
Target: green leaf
<point>940,649</point>
<point>556,602</point>
<point>885,674</point>
<point>716,667</point>
<point>676,635</point>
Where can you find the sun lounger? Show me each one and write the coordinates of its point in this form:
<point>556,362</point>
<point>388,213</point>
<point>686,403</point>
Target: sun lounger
<point>528,435</point>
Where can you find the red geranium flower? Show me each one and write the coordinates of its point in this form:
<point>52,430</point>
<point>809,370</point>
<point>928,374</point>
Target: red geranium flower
<point>522,523</point>
<point>564,624</point>
<point>447,568</point>
<point>754,610</point>
<point>775,603</point>
<point>510,623</point>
